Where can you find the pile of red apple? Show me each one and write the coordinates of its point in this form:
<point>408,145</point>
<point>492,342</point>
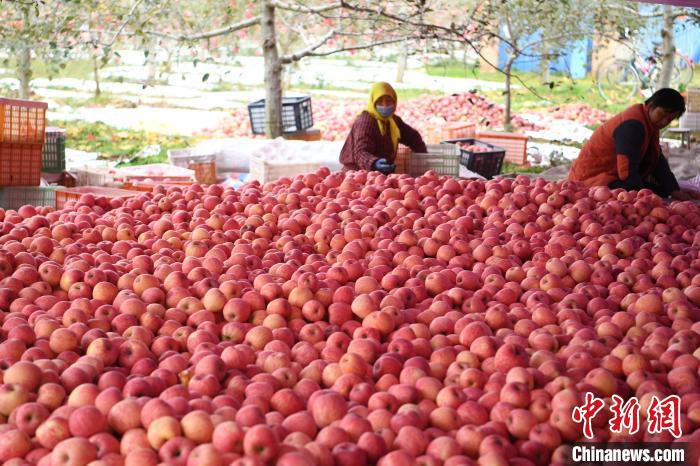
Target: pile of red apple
<point>474,147</point>
<point>342,319</point>
<point>580,113</point>
<point>334,117</point>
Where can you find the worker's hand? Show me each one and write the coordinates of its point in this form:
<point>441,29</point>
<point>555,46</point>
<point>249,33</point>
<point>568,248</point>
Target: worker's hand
<point>681,195</point>
<point>382,165</point>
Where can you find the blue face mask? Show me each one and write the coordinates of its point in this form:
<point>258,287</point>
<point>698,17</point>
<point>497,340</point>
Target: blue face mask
<point>385,112</point>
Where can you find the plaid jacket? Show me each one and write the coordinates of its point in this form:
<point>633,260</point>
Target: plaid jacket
<point>365,143</point>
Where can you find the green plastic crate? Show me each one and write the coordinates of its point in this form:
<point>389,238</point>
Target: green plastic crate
<point>16,197</point>
<point>54,153</point>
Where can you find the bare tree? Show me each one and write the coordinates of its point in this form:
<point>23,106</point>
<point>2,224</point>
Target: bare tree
<point>532,29</point>
<point>314,30</point>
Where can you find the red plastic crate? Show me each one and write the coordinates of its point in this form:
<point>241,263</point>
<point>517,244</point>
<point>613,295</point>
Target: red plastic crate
<point>63,195</point>
<point>20,164</point>
<point>514,144</point>
<point>22,125</point>
<point>458,130</point>
<point>22,121</point>
<point>401,160</point>
<point>148,187</point>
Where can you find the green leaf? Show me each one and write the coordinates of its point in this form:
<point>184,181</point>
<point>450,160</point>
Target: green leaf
<point>205,77</point>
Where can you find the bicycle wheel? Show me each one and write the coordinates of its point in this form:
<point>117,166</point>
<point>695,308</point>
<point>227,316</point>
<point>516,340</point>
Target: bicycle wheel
<point>681,75</point>
<point>618,81</point>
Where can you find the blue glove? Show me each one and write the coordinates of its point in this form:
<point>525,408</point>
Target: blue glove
<point>382,165</point>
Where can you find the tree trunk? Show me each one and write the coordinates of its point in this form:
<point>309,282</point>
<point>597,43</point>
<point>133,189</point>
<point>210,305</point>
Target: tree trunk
<point>96,75</point>
<point>544,70</point>
<point>668,50</point>
<point>273,74</point>
<point>152,60</point>
<point>24,64</point>
<point>507,71</point>
<point>403,59</point>
<point>95,60</point>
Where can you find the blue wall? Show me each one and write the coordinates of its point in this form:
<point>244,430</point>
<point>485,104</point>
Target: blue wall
<point>575,61</point>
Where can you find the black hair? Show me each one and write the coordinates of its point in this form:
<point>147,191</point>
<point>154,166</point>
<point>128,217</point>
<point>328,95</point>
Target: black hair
<point>668,99</point>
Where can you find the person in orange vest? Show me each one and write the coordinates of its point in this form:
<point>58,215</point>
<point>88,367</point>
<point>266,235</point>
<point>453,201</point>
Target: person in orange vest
<point>624,151</point>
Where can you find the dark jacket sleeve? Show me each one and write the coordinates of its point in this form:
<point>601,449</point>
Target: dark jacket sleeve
<point>410,137</point>
<point>629,137</point>
<point>665,178</point>
<point>362,143</point>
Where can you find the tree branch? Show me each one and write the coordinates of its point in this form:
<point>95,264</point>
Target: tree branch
<point>360,47</point>
<point>125,22</point>
<point>453,34</point>
<point>301,8</point>
<point>286,59</point>
<point>254,21</point>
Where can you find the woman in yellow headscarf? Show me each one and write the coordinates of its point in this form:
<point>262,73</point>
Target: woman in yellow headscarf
<point>377,132</point>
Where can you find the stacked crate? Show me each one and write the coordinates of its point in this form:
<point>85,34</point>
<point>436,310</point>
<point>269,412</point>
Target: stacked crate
<point>691,118</point>
<point>22,133</point>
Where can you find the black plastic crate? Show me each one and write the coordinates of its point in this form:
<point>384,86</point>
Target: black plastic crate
<point>53,158</point>
<point>487,163</point>
<point>296,115</point>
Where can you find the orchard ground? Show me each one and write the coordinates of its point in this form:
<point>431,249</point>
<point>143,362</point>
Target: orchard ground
<point>181,102</point>
<point>192,98</point>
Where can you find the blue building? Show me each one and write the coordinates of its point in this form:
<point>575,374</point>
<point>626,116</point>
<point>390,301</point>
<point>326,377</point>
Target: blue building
<point>577,61</point>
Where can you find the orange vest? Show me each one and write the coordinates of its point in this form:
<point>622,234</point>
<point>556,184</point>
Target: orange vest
<point>597,164</point>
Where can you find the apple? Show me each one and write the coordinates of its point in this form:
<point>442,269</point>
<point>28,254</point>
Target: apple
<point>141,456</point>
<point>14,444</point>
<point>52,431</point>
<point>261,442</point>
<point>228,437</point>
<point>124,415</point>
<point>205,455</point>
<point>87,421</point>
<point>197,426</point>
<point>74,451</point>
<point>326,408</point>
<point>29,416</point>
<point>176,450</point>
<point>23,373</point>
<point>11,397</point>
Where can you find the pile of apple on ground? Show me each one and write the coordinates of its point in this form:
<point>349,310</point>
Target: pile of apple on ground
<point>344,319</point>
<point>334,117</point>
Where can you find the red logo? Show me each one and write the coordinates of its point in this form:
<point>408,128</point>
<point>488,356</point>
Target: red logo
<point>661,415</point>
<point>585,414</point>
<point>665,415</point>
<point>625,415</point>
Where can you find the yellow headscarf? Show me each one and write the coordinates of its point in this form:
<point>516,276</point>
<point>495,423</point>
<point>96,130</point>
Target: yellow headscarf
<point>376,92</point>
